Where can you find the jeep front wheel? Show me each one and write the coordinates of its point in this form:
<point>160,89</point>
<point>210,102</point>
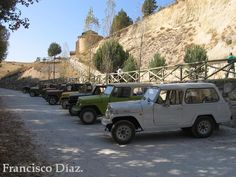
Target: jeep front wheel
<point>203,127</point>
<point>52,100</point>
<point>32,94</point>
<point>88,115</point>
<point>64,104</point>
<point>123,132</point>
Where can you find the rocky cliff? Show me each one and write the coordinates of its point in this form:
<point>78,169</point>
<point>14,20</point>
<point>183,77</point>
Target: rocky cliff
<point>211,23</point>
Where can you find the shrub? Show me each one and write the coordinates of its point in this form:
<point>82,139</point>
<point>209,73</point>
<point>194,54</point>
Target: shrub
<point>193,54</point>
<point>157,61</point>
<point>110,56</point>
<point>130,64</point>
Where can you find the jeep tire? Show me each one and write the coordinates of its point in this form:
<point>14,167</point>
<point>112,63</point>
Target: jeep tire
<point>52,100</point>
<point>203,127</point>
<point>123,132</point>
<point>32,94</point>
<point>88,116</point>
<point>64,104</point>
<point>72,112</point>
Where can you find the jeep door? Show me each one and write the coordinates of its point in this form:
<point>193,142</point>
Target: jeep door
<point>168,108</point>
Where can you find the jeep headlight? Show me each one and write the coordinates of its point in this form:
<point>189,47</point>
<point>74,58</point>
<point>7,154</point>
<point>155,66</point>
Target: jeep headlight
<point>109,109</point>
<point>78,103</point>
<point>108,112</point>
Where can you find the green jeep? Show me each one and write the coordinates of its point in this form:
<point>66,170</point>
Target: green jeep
<point>85,89</point>
<point>91,107</point>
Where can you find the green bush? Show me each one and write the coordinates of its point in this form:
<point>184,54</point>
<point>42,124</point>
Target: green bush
<point>193,55</point>
<point>130,64</point>
<point>157,61</point>
<point>110,56</point>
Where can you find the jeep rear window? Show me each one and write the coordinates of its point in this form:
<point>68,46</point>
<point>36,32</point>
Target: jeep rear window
<point>201,95</point>
<point>121,92</point>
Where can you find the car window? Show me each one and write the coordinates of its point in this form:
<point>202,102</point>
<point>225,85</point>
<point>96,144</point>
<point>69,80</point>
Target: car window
<point>162,97</point>
<point>138,91</point>
<point>108,90</point>
<point>99,90</point>
<point>171,97</point>
<point>201,95</point>
<point>122,92</point>
<point>175,97</point>
<point>151,94</point>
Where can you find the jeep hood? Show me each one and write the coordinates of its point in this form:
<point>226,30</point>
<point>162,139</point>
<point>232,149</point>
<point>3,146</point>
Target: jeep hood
<point>52,92</point>
<point>67,94</point>
<point>125,107</point>
<point>80,94</point>
<point>34,88</point>
<point>93,99</point>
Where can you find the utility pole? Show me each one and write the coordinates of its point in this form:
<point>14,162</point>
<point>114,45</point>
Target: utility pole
<point>140,51</point>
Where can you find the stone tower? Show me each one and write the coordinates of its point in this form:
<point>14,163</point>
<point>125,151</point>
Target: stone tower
<point>86,41</point>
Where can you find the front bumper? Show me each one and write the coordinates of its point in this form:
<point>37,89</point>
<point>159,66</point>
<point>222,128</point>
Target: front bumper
<point>107,123</point>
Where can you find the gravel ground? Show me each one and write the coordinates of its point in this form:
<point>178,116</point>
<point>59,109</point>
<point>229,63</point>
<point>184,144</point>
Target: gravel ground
<point>15,145</point>
<point>61,138</point>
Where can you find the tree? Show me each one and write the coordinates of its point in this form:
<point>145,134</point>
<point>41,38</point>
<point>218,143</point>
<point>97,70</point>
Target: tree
<point>120,21</point>
<point>91,21</point>
<point>109,15</point>
<point>10,13</point>
<point>110,56</point>
<point>4,35</point>
<point>130,64</point>
<point>53,50</point>
<point>156,62</point>
<point>149,6</point>
<point>195,54</point>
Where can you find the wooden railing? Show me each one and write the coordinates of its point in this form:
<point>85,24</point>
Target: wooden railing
<point>214,69</point>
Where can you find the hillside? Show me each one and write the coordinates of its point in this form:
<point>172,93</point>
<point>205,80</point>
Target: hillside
<point>211,23</point>
<point>37,70</point>
<point>7,68</point>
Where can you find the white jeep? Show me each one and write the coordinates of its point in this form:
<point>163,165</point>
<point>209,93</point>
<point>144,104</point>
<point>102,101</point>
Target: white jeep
<point>197,108</point>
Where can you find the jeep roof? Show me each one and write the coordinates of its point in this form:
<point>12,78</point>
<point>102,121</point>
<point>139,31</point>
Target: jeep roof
<point>185,85</point>
<point>129,84</point>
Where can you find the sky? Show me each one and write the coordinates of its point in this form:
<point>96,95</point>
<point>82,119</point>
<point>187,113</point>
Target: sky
<point>61,21</point>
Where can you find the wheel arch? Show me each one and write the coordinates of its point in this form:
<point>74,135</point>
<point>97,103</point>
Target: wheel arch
<point>130,119</point>
<point>204,116</point>
<point>93,107</point>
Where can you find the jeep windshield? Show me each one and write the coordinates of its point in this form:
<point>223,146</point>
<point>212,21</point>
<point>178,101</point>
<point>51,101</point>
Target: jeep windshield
<point>151,94</point>
<point>108,90</point>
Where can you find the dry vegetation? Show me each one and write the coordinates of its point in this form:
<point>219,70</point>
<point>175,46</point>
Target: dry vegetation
<point>10,67</point>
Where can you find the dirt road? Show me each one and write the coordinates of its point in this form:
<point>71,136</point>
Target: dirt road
<point>62,139</point>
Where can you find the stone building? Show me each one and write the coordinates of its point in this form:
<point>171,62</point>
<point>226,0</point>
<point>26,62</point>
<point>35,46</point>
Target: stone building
<point>85,42</point>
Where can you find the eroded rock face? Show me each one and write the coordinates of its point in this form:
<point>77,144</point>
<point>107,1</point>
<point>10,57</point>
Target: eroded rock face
<point>211,23</point>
